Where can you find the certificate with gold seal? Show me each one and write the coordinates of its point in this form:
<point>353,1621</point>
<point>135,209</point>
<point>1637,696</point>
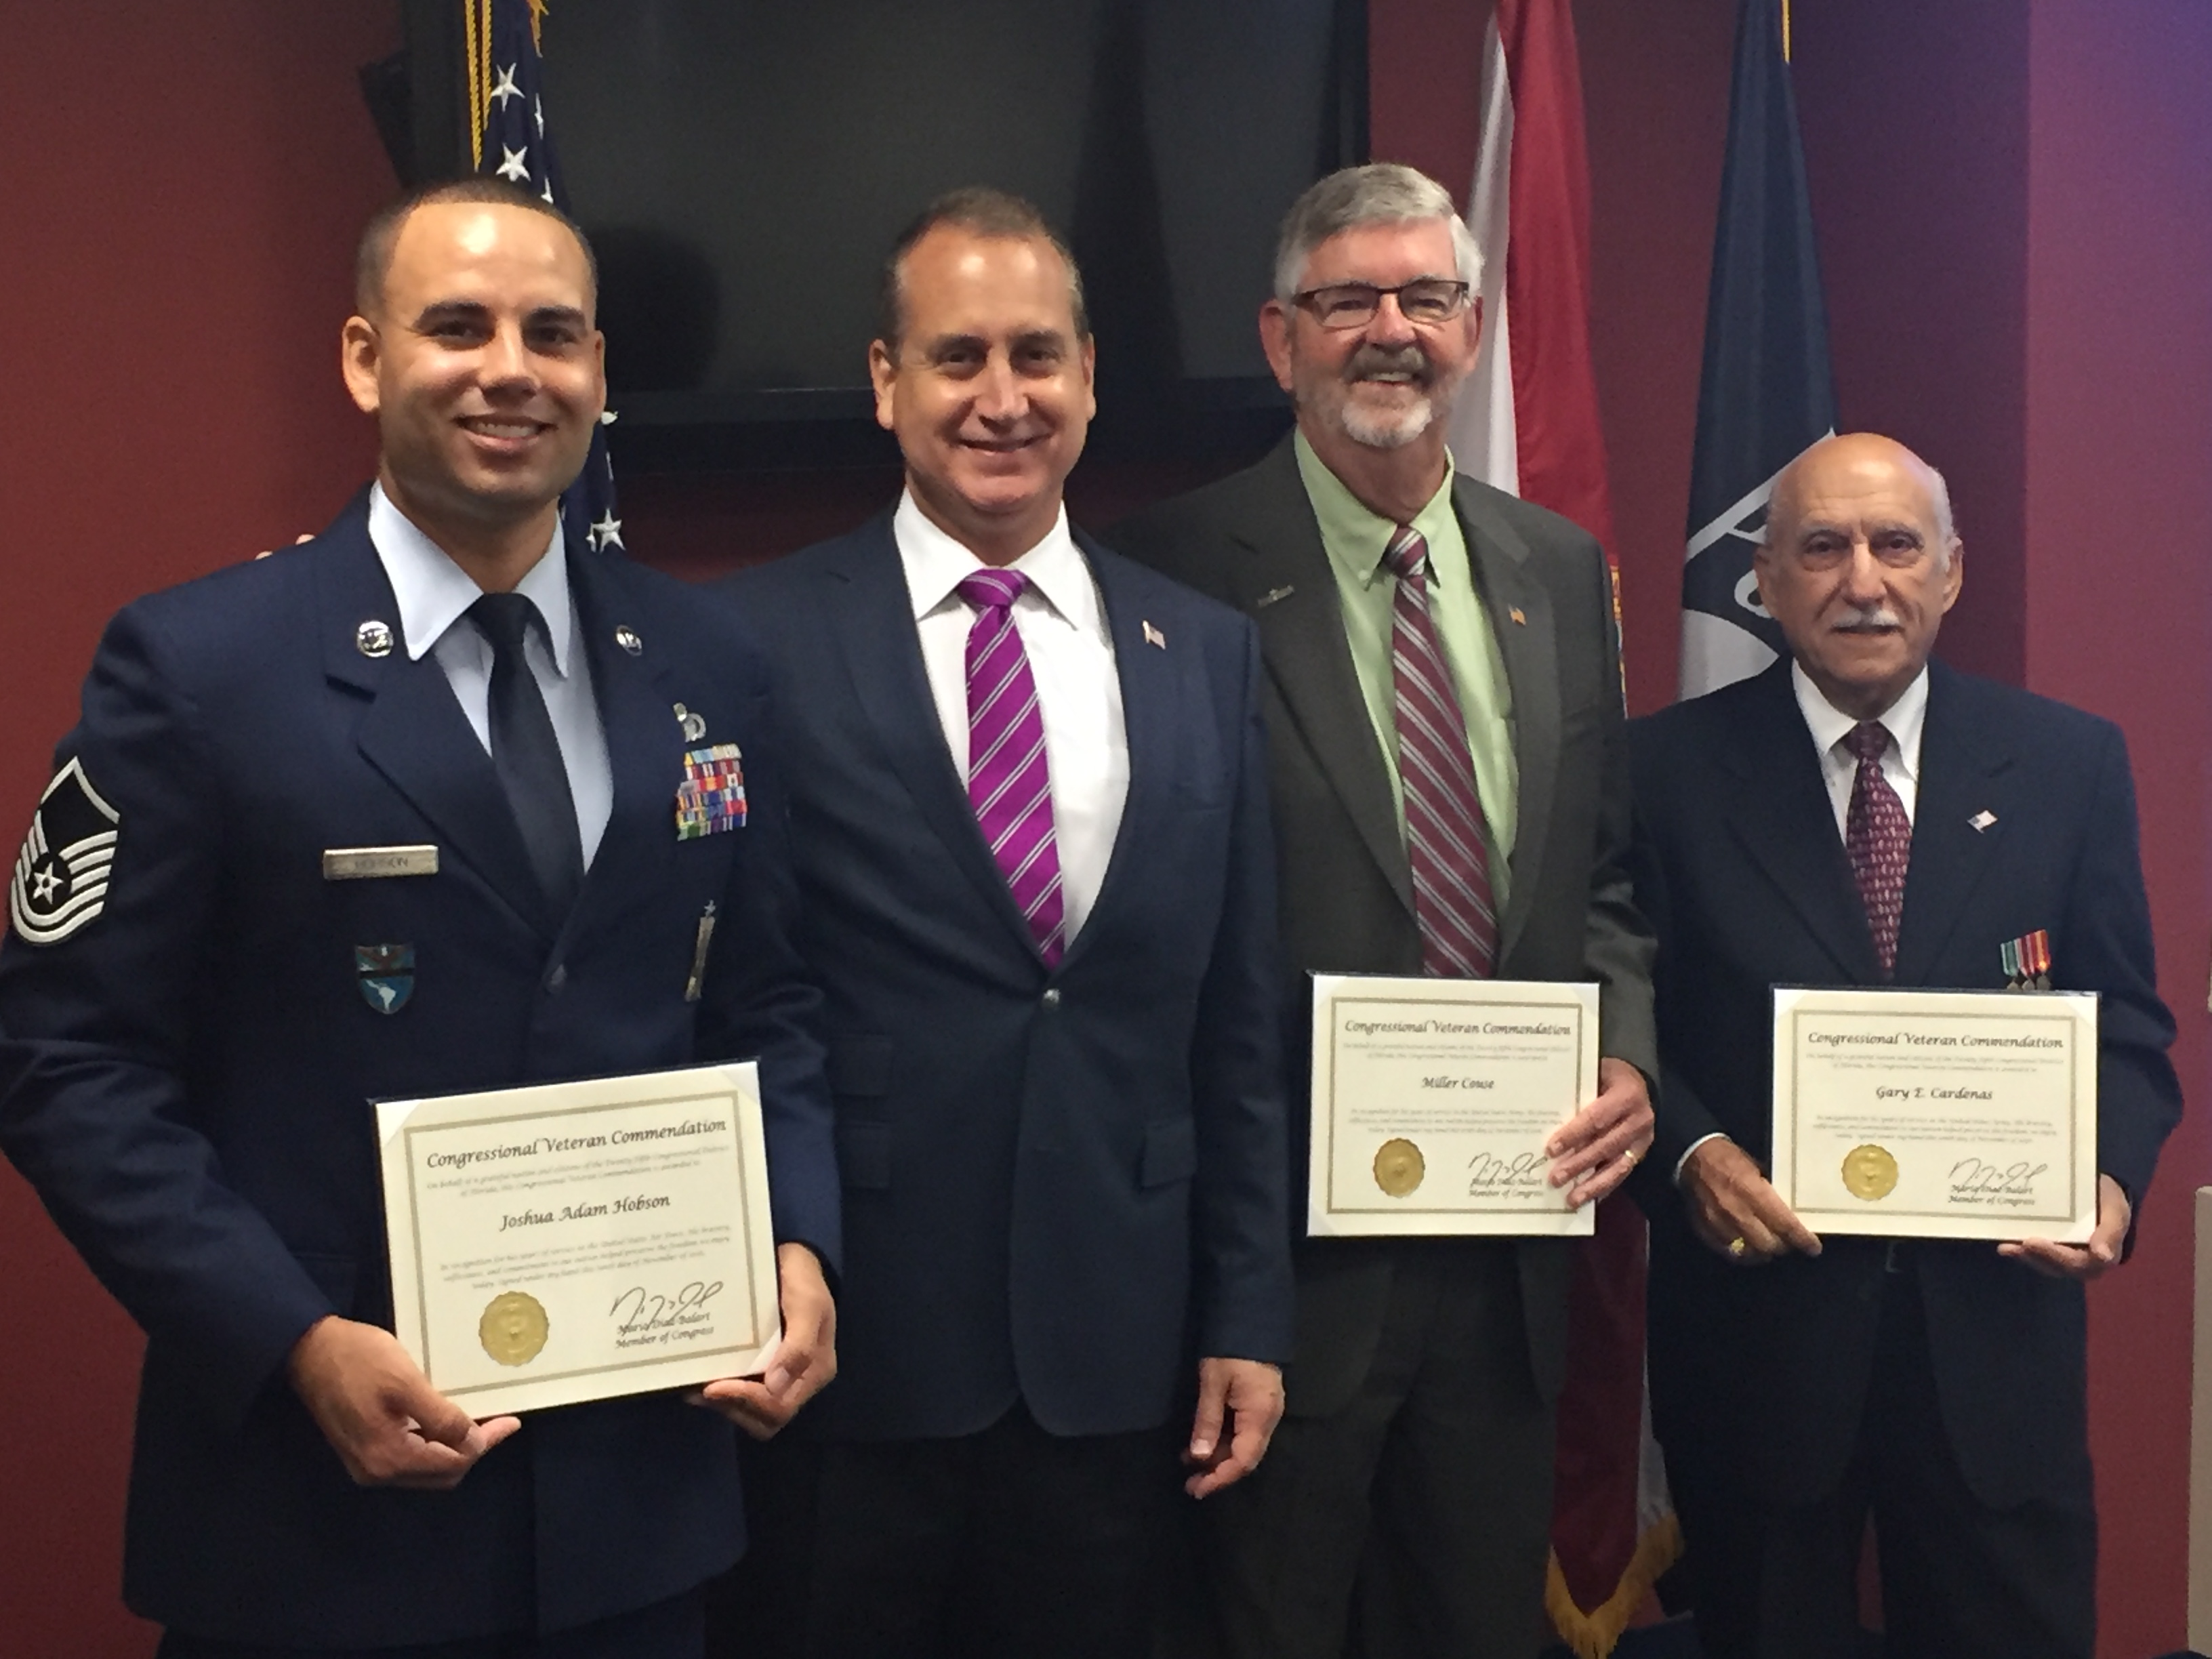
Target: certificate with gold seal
<point>1937,1114</point>
<point>1433,1099</point>
<point>575,1241</point>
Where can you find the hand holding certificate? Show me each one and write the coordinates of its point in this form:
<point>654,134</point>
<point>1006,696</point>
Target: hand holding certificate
<point>1434,1101</point>
<point>1937,1114</point>
<point>577,1240</point>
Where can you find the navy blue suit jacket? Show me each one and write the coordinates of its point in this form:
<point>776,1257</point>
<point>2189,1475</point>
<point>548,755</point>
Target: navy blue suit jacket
<point>1055,1180</point>
<point>1738,865</point>
<point>185,1079</point>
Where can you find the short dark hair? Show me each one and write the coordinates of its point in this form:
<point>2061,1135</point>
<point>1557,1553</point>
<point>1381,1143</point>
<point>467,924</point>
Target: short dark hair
<point>372,261</point>
<point>981,210</point>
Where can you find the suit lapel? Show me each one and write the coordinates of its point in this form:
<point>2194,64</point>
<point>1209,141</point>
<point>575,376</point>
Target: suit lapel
<point>1781,814</point>
<point>1520,613</point>
<point>1959,764</point>
<point>413,731</point>
<point>1290,591</point>
<point>645,746</point>
<point>870,609</point>
<point>1149,683</point>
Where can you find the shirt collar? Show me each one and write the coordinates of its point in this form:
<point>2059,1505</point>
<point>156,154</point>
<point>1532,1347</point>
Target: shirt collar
<point>433,593</point>
<point>1902,719</point>
<point>936,564</point>
<point>1354,534</point>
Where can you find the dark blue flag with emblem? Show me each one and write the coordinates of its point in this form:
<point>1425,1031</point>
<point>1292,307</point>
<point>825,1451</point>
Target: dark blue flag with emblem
<point>509,138</point>
<point>1767,391</point>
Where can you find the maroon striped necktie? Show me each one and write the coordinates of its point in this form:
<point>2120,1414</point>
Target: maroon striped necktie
<point>1445,834</point>
<point>1877,837</point>
<point>1008,783</point>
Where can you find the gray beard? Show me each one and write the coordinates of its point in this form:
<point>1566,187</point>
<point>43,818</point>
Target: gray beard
<point>1392,431</point>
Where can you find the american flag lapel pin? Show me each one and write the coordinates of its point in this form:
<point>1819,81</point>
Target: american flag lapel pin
<point>1153,637</point>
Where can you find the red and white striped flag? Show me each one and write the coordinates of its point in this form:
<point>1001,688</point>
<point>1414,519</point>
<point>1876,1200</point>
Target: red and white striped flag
<point>1526,421</point>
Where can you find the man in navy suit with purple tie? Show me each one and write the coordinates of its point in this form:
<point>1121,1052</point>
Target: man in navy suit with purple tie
<point>1033,853</point>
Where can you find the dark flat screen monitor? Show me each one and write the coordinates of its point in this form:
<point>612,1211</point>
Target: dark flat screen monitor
<point>742,168</point>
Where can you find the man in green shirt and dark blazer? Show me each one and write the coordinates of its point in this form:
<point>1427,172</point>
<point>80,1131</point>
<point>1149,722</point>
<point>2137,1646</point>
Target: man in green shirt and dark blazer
<point>1405,1506</point>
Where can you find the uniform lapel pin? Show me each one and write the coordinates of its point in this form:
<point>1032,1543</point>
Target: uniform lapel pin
<point>1153,637</point>
<point>1982,820</point>
<point>372,639</point>
<point>627,638</point>
<point>1271,596</point>
<point>694,724</point>
<point>1520,617</point>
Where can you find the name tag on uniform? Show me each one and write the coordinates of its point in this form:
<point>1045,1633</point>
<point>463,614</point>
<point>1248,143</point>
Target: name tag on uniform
<point>372,863</point>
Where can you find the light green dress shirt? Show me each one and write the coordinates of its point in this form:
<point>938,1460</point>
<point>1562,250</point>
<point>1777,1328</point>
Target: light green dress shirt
<point>1355,537</point>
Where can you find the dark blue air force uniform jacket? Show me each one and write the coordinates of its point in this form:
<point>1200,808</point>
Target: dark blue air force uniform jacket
<point>185,1076</point>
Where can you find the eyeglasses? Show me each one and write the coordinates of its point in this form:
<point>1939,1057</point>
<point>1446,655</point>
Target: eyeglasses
<point>1425,301</point>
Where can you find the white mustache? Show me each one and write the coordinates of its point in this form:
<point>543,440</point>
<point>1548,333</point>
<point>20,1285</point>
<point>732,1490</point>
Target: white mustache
<point>1867,619</point>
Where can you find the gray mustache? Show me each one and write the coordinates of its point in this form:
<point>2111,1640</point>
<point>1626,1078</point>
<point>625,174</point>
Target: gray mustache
<point>1371,361</point>
<point>1868,617</point>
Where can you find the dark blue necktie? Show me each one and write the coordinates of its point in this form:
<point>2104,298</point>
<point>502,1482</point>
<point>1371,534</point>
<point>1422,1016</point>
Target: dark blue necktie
<point>526,755</point>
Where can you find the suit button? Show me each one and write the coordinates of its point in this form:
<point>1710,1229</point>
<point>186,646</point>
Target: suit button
<point>1052,997</point>
<point>556,980</point>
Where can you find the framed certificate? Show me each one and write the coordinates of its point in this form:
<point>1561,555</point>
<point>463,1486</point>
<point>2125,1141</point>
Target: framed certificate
<point>1937,1114</point>
<point>1433,1099</point>
<point>577,1240</point>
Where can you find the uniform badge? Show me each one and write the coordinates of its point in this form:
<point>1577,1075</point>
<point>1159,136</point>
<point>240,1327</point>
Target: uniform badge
<point>711,797</point>
<point>693,722</point>
<point>61,875</point>
<point>385,973</point>
<point>2027,961</point>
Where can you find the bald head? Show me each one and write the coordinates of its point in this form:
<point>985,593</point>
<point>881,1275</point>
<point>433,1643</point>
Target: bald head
<point>1853,451</point>
<point>1858,565</point>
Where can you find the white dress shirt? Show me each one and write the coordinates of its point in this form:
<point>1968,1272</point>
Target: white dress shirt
<point>433,594</point>
<point>1839,768</point>
<point>1830,725</point>
<point>1062,623</point>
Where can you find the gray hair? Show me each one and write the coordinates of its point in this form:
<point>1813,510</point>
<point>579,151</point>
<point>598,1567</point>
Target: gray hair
<point>1380,193</point>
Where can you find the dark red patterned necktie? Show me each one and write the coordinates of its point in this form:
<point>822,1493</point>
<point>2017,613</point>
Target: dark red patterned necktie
<point>1445,834</point>
<point>1879,838</point>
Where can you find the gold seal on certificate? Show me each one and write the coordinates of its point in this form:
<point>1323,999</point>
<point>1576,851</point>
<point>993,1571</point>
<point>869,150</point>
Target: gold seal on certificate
<point>1870,1173</point>
<point>1399,1167</point>
<point>1937,1114</point>
<point>512,1329</point>
<point>1432,1100</point>
<point>577,1240</point>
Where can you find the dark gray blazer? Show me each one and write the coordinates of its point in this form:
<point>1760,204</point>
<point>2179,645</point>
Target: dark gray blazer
<point>1347,890</point>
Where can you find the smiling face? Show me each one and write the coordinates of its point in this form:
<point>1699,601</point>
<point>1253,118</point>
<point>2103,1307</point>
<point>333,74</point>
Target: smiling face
<point>988,389</point>
<point>1855,569</point>
<point>483,370</point>
<point>1385,386</point>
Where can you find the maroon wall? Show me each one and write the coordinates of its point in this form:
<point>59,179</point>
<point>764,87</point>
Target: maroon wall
<point>2118,537</point>
<point>180,187</point>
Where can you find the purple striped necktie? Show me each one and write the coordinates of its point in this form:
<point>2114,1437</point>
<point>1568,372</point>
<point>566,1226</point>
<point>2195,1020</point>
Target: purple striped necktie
<point>1445,838</point>
<point>1008,782</point>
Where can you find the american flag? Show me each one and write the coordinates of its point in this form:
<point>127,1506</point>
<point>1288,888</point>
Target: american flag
<point>509,138</point>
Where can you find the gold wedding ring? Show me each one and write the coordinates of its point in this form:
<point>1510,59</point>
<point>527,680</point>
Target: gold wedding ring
<point>1628,1159</point>
<point>1737,1247</point>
